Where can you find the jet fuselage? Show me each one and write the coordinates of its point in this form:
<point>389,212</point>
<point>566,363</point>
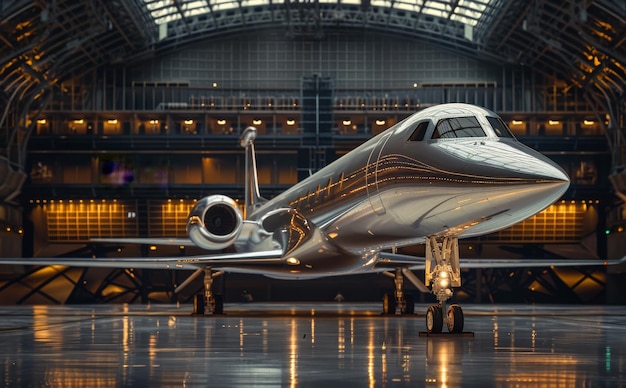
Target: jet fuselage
<point>452,170</point>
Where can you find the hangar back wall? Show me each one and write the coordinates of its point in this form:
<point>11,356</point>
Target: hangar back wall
<point>165,114</point>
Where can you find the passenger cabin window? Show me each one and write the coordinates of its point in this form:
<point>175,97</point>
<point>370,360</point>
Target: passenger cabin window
<point>419,132</point>
<point>458,127</point>
<point>499,127</point>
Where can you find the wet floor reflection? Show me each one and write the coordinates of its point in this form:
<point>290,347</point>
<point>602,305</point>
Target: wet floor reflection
<point>127,346</point>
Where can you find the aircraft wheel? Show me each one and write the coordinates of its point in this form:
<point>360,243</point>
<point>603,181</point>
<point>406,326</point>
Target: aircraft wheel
<point>389,304</point>
<point>434,319</point>
<point>455,319</point>
<point>410,304</point>
<point>219,304</point>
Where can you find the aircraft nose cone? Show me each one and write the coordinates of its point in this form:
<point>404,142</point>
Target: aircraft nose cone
<point>545,169</point>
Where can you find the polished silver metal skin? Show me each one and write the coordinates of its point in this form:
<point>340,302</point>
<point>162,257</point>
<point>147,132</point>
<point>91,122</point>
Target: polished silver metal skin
<point>447,172</point>
<point>394,190</point>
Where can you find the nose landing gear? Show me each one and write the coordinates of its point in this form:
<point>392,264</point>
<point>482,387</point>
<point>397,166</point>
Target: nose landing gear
<point>443,272</point>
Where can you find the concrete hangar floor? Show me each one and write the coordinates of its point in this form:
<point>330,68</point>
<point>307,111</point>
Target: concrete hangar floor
<point>333,344</point>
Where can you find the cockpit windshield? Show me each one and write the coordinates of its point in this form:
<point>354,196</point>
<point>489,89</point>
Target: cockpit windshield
<point>458,127</point>
<point>499,127</point>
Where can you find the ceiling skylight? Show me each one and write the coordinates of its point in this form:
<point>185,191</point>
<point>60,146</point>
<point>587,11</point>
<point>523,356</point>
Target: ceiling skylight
<point>465,11</point>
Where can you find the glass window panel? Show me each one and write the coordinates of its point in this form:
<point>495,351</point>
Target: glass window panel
<point>458,127</point>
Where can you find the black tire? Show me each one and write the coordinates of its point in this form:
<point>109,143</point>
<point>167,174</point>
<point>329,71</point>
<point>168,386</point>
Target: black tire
<point>434,319</point>
<point>410,304</point>
<point>198,304</point>
<point>455,319</point>
<point>219,304</point>
<point>389,304</point>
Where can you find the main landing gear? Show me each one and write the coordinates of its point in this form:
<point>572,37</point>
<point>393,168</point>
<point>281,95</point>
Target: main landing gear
<point>443,272</point>
<point>398,303</point>
<point>206,303</point>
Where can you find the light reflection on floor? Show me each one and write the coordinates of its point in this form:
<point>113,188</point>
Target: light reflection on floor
<point>308,345</point>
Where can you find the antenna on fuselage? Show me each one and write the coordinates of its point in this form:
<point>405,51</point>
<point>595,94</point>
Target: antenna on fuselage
<point>253,198</point>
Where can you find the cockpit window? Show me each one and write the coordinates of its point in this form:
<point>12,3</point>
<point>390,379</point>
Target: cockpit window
<point>419,132</point>
<point>458,127</point>
<point>499,127</point>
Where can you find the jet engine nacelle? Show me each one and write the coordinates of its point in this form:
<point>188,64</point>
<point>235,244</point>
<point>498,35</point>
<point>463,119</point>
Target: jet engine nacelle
<point>214,222</point>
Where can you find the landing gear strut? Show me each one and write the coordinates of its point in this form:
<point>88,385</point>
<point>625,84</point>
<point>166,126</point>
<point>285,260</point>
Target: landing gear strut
<point>208,303</point>
<point>399,303</point>
<point>443,272</point>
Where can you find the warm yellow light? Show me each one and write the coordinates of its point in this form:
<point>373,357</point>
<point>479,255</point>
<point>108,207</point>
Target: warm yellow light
<point>221,122</point>
<point>113,121</point>
<point>588,122</point>
<point>554,122</point>
<point>214,84</point>
<point>154,122</point>
<point>257,122</point>
<point>380,122</point>
<point>346,122</point>
<point>188,122</point>
<point>517,122</point>
<point>41,121</point>
<point>153,247</point>
<point>291,122</point>
<point>292,261</point>
<point>79,121</point>
<point>596,61</point>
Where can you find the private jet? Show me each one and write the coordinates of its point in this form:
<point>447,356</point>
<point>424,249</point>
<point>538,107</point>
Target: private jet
<point>448,172</point>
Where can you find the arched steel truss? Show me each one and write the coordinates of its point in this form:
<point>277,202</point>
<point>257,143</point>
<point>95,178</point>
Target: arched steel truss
<point>580,42</point>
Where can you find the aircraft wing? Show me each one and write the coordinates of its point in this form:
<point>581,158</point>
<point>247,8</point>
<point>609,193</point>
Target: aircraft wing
<point>388,260</point>
<point>176,262</point>
<point>148,241</point>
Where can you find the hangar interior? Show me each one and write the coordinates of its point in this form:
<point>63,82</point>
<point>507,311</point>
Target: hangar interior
<point>119,115</point>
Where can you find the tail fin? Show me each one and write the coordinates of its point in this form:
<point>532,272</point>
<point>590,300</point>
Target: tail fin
<point>253,198</point>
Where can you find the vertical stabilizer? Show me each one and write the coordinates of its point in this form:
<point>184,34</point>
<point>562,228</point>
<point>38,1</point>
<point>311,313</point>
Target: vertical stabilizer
<point>253,198</point>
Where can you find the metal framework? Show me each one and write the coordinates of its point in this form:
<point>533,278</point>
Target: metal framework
<point>46,43</point>
<point>580,42</point>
